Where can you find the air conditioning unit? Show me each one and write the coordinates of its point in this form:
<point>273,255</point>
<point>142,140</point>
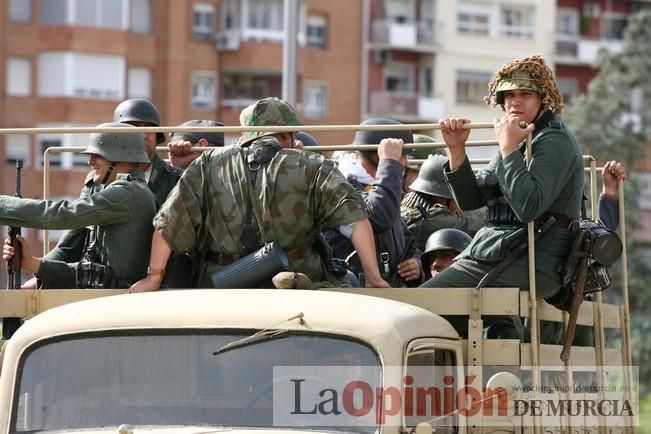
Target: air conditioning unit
<point>228,41</point>
<point>591,10</point>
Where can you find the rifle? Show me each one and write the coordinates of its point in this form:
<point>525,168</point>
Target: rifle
<point>10,325</point>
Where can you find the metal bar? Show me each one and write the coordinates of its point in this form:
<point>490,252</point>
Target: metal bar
<point>238,129</point>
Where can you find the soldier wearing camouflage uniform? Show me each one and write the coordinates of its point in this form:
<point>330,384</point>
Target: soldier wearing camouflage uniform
<point>552,185</point>
<point>432,193</point>
<point>121,214</point>
<point>295,193</point>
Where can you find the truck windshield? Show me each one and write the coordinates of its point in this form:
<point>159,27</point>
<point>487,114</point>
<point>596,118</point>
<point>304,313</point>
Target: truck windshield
<point>172,379</point>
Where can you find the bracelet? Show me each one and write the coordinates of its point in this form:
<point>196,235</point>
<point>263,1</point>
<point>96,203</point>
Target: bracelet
<point>155,271</point>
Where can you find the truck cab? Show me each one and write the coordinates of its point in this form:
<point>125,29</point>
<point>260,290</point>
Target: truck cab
<point>204,360</point>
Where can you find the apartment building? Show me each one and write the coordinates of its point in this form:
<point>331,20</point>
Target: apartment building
<point>68,63</point>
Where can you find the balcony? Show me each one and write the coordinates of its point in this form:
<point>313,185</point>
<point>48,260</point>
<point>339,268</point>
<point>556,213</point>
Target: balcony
<point>405,106</point>
<point>576,50</point>
<point>415,36</point>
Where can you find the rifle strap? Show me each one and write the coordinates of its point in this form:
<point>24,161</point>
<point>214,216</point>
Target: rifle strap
<point>515,253</point>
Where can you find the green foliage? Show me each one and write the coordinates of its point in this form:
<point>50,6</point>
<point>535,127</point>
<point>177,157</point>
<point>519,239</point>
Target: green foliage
<point>600,118</point>
<point>603,123</point>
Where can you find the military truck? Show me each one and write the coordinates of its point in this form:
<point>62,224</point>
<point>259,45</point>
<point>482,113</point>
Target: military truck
<point>347,360</point>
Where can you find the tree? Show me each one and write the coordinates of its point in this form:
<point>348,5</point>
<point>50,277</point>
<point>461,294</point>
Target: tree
<point>602,119</point>
<point>611,124</point>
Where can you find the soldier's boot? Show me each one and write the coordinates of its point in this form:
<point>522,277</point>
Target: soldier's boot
<point>291,280</point>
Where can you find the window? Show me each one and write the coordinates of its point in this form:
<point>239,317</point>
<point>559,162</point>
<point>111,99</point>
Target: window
<point>569,88</point>
<point>426,80</point>
<point>19,77</point>
<point>316,30</point>
<point>230,14</point>
<point>245,87</point>
<point>472,86</point>
<point>474,19</point>
<point>400,11</point>
<point>614,26</point>
<point>315,101</point>
<point>203,21</point>
<point>399,78</point>
<point>139,83</point>
<point>431,369</point>
<point>568,22</point>
<point>94,76</point>
<point>54,11</point>
<point>140,16</point>
<point>63,160</point>
<point>516,22</point>
<point>20,11</point>
<point>92,13</point>
<point>203,90</point>
<point>266,14</point>
<point>17,147</point>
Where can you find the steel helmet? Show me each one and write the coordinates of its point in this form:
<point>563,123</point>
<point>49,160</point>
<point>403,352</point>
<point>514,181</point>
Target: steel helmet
<point>306,138</point>
<point>127,147</point>
<point>431,179</point>
<point>376,136</point>
<point>139,110</point>
<point>444,239</point>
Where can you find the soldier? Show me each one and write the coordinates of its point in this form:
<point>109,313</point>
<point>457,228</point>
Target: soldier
<point>552,185</point>
<point>161,177</point>
<point>441,248</point>
<point>378,176</point>
<point>432,193</point>
<point>180,143</point>
<point>120,213</point>
<point>233,200</point>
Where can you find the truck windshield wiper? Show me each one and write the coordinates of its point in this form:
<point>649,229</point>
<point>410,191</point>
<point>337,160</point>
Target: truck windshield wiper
<point>260,336</point>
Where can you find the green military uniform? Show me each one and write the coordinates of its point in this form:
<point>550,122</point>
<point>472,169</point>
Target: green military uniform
<point>439,216</point>
<point>552,183</point>
<point>296,193</point>
<point>122,212</point>
<point>163,178</point>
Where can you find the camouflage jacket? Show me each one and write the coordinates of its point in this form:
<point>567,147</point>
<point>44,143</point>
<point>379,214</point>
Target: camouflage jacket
<point>296,193</point>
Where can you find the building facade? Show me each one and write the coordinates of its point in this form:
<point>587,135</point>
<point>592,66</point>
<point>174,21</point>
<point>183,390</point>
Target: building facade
<point>68,63</point>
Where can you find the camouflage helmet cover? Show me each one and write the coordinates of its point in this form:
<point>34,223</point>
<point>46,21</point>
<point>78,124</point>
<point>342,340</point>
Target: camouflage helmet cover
<point>518,80</point>
<point>530,73</point>
<point>444,239</point>
<point>127,147</point>
<point>431,179</point>
<point>139,110</point>
<point>270,112</point>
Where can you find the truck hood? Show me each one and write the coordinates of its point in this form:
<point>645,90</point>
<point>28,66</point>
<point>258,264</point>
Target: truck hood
<point>199,429</point>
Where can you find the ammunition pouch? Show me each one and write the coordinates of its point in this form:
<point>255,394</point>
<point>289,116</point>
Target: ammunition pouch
<point>499,212</point>
<point>254,269</point>
<point>94,275</point>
